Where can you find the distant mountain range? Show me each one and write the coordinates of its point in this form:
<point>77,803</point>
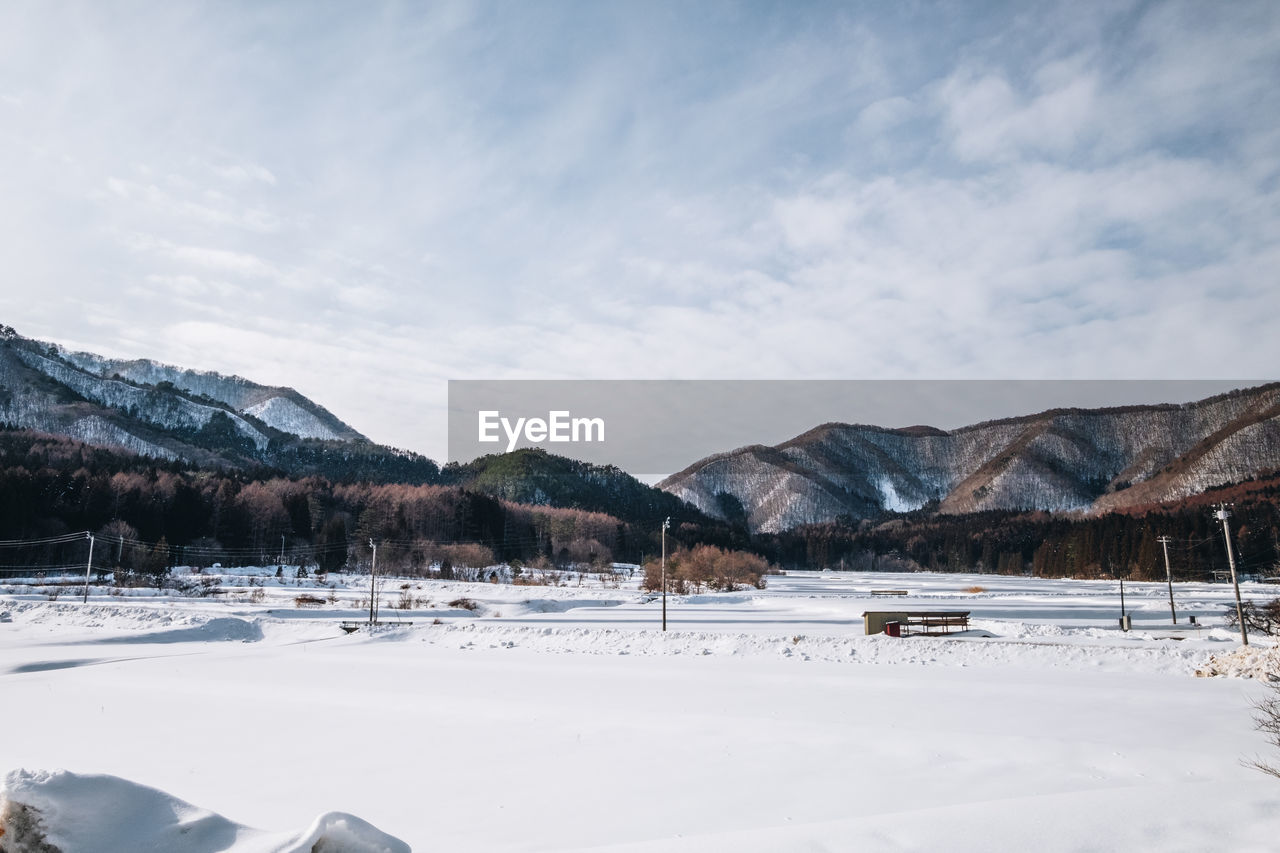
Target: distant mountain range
<point>1063,459</point>
<point>199,418</point>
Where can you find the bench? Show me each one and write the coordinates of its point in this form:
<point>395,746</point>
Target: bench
<point>927,623</point>
<point>935,623</point>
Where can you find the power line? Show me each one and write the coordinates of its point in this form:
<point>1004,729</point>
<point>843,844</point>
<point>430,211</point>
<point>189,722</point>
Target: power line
<point>47,540</point>
<point>69,567</point>
<point>242,554</point>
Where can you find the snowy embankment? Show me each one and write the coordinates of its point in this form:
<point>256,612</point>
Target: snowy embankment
<point>1016,646</point>
<point>43,812</point>
<point>1016,623</point>
<point>1156,656</point>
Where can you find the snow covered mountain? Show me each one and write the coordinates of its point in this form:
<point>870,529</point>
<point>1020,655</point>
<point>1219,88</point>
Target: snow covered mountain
<point>280,408</point>
<point>201,418</point>
<point>1064,459</point>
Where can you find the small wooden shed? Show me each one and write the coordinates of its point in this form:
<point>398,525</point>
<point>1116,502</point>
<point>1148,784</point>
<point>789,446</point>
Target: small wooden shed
<point>875,620</point>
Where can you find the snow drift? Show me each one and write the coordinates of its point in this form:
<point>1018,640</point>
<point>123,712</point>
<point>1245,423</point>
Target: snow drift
<point>62,812</point>
<point>1262,663</point>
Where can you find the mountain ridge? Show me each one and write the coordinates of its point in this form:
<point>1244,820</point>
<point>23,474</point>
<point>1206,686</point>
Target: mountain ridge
<point>281,407</point>
<point>1059,459</point>
<point>189,416</point>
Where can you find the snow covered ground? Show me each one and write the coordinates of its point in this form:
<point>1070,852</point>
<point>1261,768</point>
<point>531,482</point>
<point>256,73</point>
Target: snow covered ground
<point>500,717</point>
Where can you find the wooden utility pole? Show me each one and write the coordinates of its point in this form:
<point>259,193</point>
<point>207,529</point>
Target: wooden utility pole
<point>665,525</point>
<point>1124,616</point>
<point>1168,575</point>
<point>87,568</point>
<point>1222,515</point>
<point>373,592</point>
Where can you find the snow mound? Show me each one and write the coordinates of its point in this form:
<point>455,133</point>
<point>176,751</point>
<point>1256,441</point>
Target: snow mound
<point>1262,663</point>
<point>718,598</point>
<point>220,629</point>
<point>229,628</point>
<point>145,624</point>
<point>559,605</point>
<point>62,812</point>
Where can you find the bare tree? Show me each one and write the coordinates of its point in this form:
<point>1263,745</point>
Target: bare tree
<point>1267,721</point>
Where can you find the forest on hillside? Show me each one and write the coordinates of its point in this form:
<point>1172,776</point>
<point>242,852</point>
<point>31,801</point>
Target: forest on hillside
<point>1055,544</point>
<point>147,515</point>
<point>152,514</point>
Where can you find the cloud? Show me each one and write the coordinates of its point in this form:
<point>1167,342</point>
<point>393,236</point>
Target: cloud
<point>365,203</point>
<point>241,173</point>
<point>181,201</point>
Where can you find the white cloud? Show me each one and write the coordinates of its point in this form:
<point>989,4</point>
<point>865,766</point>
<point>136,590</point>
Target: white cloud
<point>883,116</point>
<point>244,173</point>
<point>368,205</point>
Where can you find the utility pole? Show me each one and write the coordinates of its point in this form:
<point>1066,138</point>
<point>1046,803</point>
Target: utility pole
<point>1222,515</point>
<point>87,568</point>
<point>1168,575</point>
<point>665,525</point>
<point>373,593</point>
<point>1124,617</point>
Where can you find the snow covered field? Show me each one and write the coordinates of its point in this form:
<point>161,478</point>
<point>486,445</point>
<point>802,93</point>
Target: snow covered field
<point>560,718</point>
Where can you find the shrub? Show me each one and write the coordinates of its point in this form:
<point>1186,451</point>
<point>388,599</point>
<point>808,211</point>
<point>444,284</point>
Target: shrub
<point>464,604</point>
<point>25,828</point>
<point>709,567</point>
<point>974,590</point>
<point>1259,619</point>
<point>468,555</point>
<point>1267,721</point>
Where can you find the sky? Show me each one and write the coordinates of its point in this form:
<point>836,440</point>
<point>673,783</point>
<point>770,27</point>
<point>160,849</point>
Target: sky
<point>365,200</point>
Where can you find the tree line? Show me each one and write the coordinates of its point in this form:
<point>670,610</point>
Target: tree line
<point>1053,544</point>
<point>151,514</point>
